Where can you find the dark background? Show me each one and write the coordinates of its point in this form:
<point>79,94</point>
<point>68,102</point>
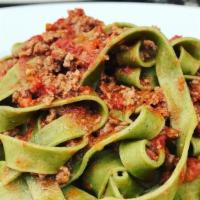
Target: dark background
<point>178,2</point>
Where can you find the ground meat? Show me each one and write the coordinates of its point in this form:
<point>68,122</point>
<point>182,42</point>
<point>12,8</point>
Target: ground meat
<point>68,60</point>
<point>58,54</point>
<point>50,65</point>
<point>46,88</point>
<point>40,48</point>
<point>78,42</point>
<point>63,175</point>
<point>116,96</point>
<point>152,153</point>
<point>153,147</point>
<point>146,82</point>
<point>27,47</point>
<point>112,126</point>
<point>159,142</point>
<point>51,36</point>
<point>193,169</point>
<point>55,61</point>
<point>5,65</point>
<point>197,108</point>
<point>76,22</point>
<point>171,133</point>
<point>148,50</point>
<point>195,90</point>
<point>194,87</point>
<point>52,114</point>
<point>86,116</point>
<point>154,98</point>
<point>124,98</point>
<point>175,37</point>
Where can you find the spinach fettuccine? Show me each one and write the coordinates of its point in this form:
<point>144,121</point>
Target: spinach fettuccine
<point>92,111</point>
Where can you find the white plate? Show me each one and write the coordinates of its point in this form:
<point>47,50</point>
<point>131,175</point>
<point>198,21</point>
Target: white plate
<point>20,23</point>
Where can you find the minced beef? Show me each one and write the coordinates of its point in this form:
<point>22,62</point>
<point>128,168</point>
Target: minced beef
<point>112,126</point>
<point>84,115</point>
<point>124,98</point>
<point>63,175</point>
<point>194,87</point>
<point>5,65</point>
<point>148,50</point>
<point>55,61</point>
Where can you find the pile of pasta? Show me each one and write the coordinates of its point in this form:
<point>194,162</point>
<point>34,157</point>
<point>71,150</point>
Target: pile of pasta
<point>74,156</point>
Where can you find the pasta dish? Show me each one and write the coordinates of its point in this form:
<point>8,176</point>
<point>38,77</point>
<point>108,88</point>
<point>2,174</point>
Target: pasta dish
<point>92,111</point>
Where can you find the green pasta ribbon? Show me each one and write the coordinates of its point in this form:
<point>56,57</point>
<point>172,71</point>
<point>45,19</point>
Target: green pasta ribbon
<point>14,76</point>
<point>188,50</point>
<point>195,145</point>
<point>132,57</point>
<point>133,77</point>
<point>35,158</point>
<point>189,190</point>
<point>41,190</point>
<point>15,190</point>
<point>135,159</point>
<point>60,130</point>
<point>73,193</point>
<point>10,82</point>
<point>106,176</point>
<point>7,175</point>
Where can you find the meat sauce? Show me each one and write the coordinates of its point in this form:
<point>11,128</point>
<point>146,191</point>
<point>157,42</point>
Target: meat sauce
<point>55,60</point>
